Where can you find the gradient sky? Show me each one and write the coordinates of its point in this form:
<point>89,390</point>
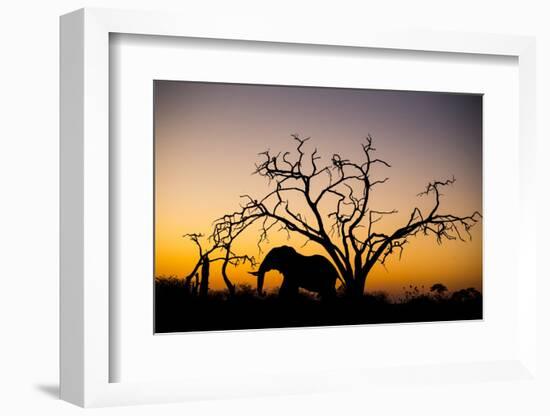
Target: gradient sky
<point>208,135</point>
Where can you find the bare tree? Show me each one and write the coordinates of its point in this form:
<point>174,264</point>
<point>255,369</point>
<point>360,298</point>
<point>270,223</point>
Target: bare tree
<point>220,250</point>
<point>347,229</point>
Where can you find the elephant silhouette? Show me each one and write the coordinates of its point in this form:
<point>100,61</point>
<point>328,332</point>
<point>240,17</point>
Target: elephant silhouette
<point>313,273</point>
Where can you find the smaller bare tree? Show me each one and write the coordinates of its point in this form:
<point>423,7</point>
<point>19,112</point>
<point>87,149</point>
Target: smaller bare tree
<point>220,250</point>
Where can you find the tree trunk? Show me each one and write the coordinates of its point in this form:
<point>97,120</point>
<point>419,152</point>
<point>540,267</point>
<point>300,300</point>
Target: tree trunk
<point>205,274</point>
<point>356,287</point>
<point>230,286</point>
<point>195,286</point>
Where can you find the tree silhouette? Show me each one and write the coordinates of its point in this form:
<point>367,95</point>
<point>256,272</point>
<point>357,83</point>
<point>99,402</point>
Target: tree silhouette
<point>336,212</point>
<point>221,248</point>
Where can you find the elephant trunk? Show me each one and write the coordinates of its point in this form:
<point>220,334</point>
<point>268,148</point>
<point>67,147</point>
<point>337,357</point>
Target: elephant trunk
<point>260,274</point>
<point>260,283</point>
<point>270,263</point>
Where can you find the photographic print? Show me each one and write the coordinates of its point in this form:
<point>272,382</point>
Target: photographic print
<point>289,206</point>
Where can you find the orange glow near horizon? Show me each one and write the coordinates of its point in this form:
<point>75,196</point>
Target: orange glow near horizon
<point>208,136</point>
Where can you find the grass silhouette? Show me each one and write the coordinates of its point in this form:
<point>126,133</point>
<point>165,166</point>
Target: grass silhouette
<point>177,309</point>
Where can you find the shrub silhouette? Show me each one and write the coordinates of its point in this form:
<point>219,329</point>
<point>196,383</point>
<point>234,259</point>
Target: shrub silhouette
<point>439,288</point>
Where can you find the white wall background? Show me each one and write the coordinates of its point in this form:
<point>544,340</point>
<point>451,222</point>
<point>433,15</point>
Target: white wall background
<point>29,185</point>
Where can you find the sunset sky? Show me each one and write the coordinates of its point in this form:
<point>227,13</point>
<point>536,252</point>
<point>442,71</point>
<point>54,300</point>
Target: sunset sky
<point>208,136</point>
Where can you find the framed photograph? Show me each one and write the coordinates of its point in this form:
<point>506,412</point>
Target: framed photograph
<point>268,212</point>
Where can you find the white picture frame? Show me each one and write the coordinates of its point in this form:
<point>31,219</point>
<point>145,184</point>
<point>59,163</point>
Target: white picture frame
<point>85,355</point>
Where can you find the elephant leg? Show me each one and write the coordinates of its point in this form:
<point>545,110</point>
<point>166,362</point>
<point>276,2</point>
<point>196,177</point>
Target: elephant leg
<point>329,290</point>
<point>287,289</point>
<point>327,293</point>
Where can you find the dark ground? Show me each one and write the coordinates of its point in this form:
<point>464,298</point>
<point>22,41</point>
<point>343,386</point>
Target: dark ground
<point>178,310</point>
